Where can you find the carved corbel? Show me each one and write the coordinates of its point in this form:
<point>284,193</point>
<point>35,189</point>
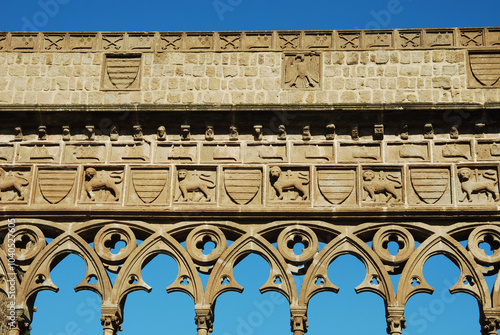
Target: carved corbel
<point>90,132</point>
<point>42,133</point>
<point>204,320</point>
<point>396,320</point>
<point>428,131</point>
<point>233,133</point>
<point>282,132</point>
<point>185,132</point>
<point>113,134</point>
<point>138,136</point>
<point>66,134</point>
<point>298,321</point>
<point>257,132</point>
<point>306,133</point>
<point>330,131</point>
<point>18,134</point>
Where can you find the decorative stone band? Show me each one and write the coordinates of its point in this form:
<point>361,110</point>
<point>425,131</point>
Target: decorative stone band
<point>252,188</point>
<point>404,39</point>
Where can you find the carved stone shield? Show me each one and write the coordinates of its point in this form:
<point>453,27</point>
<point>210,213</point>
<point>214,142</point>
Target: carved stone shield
<point>122,72</point>
<point>430,184</point>
<point>149,184</point>
<point>485,67</point>
<point>242,185</point>
<point>55,185</point>
<point>336,185</point>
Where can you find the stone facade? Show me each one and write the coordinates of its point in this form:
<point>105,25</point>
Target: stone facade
<point>384,72</point>
<point>265,139</point>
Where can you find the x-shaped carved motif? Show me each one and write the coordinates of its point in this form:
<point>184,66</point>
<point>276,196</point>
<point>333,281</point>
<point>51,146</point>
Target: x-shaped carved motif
<point>171,41</point>
<point>112,42</point>
<point>230,41</point>
<point>470,38</point>
<point>289,42</point>
<point>410,39</point>
<point>349,40</point>
<point>2,39</point>
<point>54,42</point>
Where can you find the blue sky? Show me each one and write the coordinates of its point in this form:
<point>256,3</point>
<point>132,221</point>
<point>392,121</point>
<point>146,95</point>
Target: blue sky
<point>224,15</point>
<point>70,313</point>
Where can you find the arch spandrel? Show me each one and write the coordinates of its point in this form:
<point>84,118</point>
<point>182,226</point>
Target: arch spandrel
<point>471,279</point>
<point>245,245</point>
<point>316,279</point>
<point>130,279</point>
<point>37,277</point>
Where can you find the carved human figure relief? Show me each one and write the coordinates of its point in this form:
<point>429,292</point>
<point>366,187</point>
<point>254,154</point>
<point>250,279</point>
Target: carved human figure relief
<point>289,185</point>
<point>195,186</point>
<point>475,183</point>
<point>12,185</point>
<point>381,186</point>
<point>302,71</point>
<point>101,185</point>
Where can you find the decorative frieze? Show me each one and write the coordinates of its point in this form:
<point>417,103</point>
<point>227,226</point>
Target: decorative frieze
<point>247,41</point>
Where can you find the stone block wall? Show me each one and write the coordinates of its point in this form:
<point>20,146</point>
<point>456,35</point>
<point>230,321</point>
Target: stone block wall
<point>188,75</point>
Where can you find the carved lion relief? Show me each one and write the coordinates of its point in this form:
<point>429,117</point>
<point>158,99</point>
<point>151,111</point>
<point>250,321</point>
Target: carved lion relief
<point>381,186</point>
<point>102,185</point>
<point>478,185</point>
<point>195,186</point>
<point>289,185</point>
<point>13,185</point>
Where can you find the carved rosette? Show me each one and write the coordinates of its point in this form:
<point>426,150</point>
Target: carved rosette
<point>106,239</point>
<point>293,235</point>
<point>199,237</point>
<point>486,234</point>
<point>402,237</point>
<point>29,242</point>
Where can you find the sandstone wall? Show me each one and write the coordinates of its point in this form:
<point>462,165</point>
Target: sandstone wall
<point>383,75</point>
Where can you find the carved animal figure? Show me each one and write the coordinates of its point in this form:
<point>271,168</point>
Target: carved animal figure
<point>95,181</point>
<point>12,183</point>
<point>487,184</point>
<point>190,182</point>
<point>385,184</point>
<point>282,183</point>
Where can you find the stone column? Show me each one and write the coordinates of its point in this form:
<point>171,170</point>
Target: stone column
<point>396,320</point>
<point>298,320</point>
<point>21,328</point>
<point>111,321</point>
<point>204,320</point>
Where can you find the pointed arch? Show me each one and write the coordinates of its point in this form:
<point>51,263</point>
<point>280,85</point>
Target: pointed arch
<point>245,245</point>
<point>37,277</point>
<point>130,278</point>
<point>316,279</point>
<point>471,281</point>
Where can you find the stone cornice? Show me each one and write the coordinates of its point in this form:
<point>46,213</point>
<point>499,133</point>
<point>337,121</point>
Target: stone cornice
<point>243,107</point>
<point>326,40</point>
